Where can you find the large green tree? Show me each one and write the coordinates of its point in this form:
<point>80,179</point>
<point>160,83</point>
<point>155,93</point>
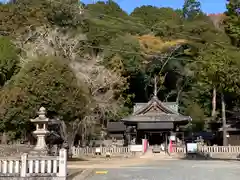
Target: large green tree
<point>217,70</point>
<point>48,82</point>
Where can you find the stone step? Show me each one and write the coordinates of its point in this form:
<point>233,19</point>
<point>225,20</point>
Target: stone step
<point>150,155</point>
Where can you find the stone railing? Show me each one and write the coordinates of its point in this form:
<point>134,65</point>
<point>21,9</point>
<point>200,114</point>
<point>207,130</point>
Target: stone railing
<point>35,166</point>
<point>78,151</point>
<point>219,149</point>
<point>177,149</point>
<point>210,149</point>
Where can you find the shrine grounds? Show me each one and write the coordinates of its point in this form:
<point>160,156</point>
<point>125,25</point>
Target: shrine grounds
<point>172,170</point>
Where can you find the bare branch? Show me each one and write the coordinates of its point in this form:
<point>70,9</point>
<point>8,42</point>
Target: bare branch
<point>101,82</point>
<point>46,41</point>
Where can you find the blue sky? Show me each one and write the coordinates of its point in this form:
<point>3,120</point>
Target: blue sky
<point>208,6</point>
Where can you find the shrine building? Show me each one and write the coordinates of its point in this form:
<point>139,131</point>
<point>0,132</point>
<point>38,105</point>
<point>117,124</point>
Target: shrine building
<point>154,120</point>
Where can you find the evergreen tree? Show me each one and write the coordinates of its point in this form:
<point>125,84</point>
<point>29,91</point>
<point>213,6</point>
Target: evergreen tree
<point>232,21</point>
<point>191,9</point>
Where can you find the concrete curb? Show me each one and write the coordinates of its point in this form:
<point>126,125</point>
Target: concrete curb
<point>71,176</point>
<point>85,174</point>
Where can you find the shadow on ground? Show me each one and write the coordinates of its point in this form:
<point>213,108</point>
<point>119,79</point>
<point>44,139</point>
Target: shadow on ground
<point>73,173</point>
<point>201,156</point>
<point>77,159</point>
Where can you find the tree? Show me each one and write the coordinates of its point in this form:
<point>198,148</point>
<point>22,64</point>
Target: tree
<point>47,82</point>
<point>9,61</point>
<point>104,24</point>
<point>109,7</point>
<point>106,88</point>
<point>116,56</point>
<point>66,14</point>
<point>219,68</point>
<point>232,21</point>
<point>191,9</point>
<point>45,41</point>
<point>161,21</point>
<point>129,62</point>
<point>147,15</point>
<point>196,112</point>
<point>22,15</point>
<point>161,60</point>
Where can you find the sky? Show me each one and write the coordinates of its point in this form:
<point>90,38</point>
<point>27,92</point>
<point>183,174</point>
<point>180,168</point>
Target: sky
<point>208,6</point>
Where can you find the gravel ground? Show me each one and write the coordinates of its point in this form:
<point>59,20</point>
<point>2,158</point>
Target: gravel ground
<point>175,170</point>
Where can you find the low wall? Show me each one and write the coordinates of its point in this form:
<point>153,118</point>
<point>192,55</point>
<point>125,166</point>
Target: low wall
<point>78,151</point>
<point>216,152</point>
<point>219,149</point>
<point>34,167</point>
<point>32,178</point>
<point>210,149</point>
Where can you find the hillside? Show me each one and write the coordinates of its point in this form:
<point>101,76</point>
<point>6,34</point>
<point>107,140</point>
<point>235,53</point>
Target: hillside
<point>88,64</point>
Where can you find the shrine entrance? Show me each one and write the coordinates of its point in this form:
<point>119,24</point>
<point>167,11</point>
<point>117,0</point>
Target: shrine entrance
<point>153,137</point>
<point>156,138</point>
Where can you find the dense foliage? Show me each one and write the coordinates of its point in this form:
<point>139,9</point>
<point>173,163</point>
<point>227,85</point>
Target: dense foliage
<point>105,60</point>
<point>44,82</point>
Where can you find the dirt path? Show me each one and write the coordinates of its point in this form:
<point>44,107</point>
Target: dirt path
<point>114,163</point>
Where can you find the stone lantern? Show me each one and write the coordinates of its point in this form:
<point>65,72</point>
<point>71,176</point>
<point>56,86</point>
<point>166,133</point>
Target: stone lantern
<point>41,131</point>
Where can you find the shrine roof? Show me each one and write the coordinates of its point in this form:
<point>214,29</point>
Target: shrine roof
<point>157,118</point>
<point>156,111</point>
<point>116,126</point>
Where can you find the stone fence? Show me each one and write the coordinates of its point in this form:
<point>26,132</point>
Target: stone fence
<point>78,151</point>
<point>116,151</point>
<point>210,149</point>
<point>26,166</point>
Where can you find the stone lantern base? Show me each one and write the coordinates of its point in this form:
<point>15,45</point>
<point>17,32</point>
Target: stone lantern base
<point>41,148</point>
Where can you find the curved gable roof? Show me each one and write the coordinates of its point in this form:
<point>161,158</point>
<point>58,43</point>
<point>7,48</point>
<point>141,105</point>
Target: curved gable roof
<point>156,111</point>
<point>156,104</point>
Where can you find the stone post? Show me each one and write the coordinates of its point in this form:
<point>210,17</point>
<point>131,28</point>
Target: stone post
<point>23,172</point>
<point>62,163</point>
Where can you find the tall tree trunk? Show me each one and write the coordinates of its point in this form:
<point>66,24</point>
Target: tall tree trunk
<point>179,94</point>
<point>224,123</point>
<point>83,134</point>
<point>214,103</point>
<point>68,132</point>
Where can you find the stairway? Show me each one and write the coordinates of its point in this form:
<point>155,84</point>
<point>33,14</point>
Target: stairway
<point>147,154</point>
<point>156,156</point>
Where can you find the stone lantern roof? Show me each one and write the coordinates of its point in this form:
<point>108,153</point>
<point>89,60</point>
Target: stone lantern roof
<point>41,116</point>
